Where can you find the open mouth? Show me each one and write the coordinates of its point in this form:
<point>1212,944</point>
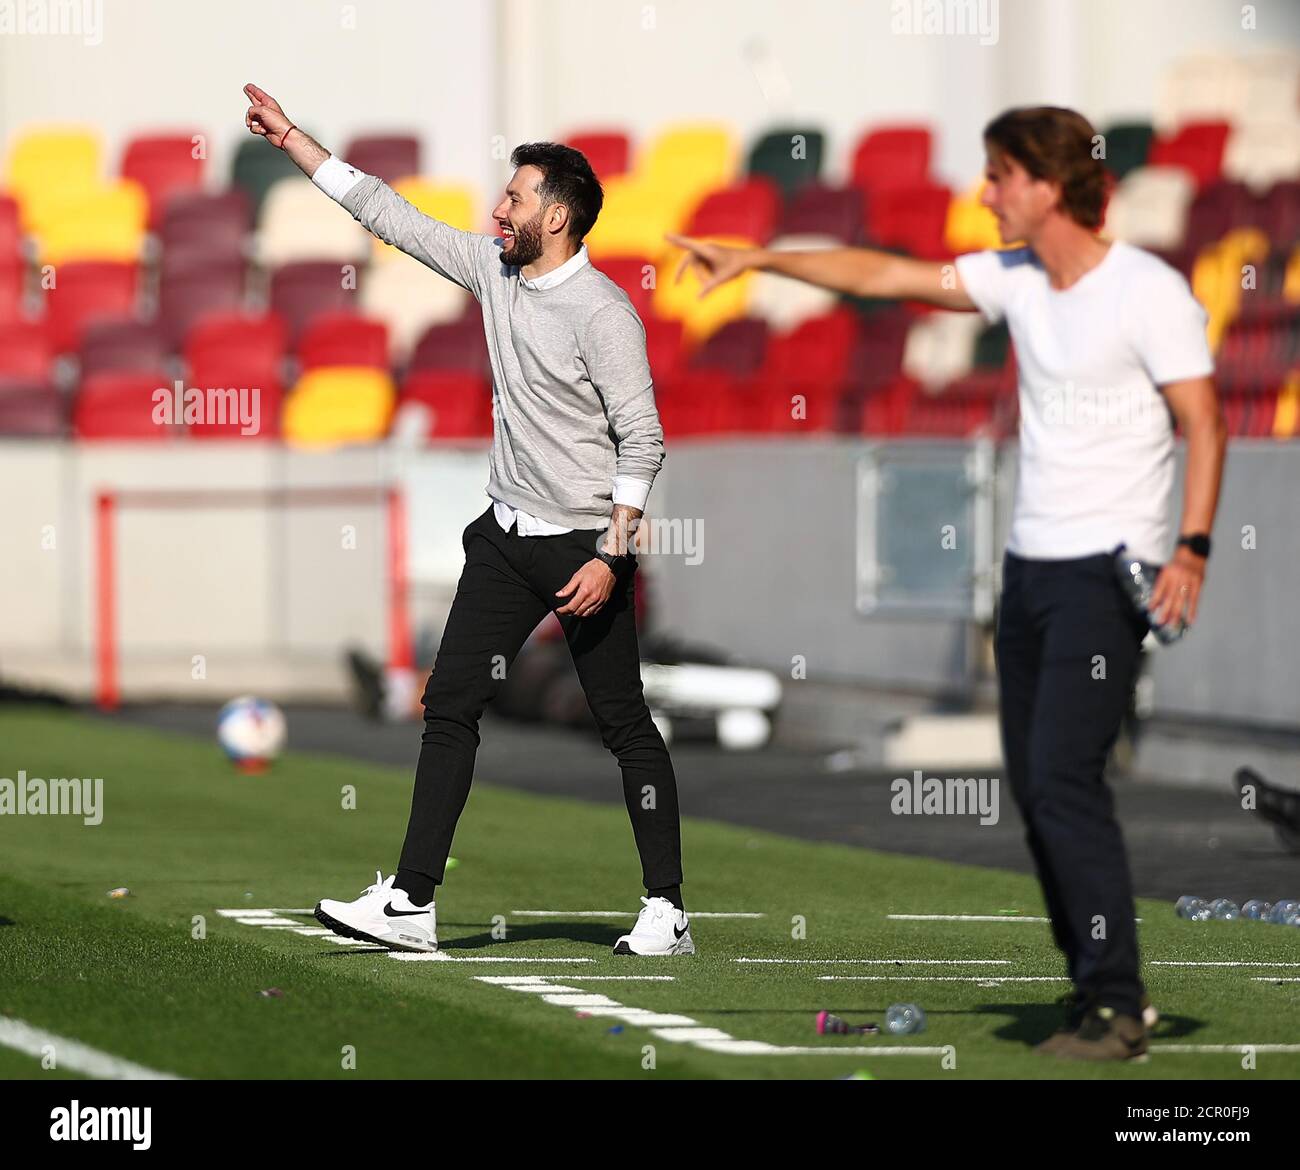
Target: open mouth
<point>507,233</point>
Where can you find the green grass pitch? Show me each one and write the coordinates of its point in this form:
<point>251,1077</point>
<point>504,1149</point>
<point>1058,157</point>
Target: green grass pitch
<point>189,837</point>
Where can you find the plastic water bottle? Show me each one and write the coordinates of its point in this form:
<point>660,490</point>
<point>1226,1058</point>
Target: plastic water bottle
<point>1292,917</point>
<point>1281,909</point>
<point>1193,908</point>
<point>1224,910</point>
<point>1257,910</point>
<point>904,1019</point>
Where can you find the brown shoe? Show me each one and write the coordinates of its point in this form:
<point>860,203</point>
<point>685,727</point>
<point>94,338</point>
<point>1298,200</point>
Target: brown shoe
<point>1105,1035</point>
<point>1075,1010</point>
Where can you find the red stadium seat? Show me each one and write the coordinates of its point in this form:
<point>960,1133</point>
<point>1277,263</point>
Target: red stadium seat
<point>1197,147</point>
<point>237,341</point>
<point>390,156</point>
<point>121,405</point>
<point>85,290</point>
<point>607,151</point>
<point>11,289</point>
<point>630,273</point>
<point>165,166</point>
<point>459,404</point>
<point>25,350</point>
<point>749,210</point>
<point>695,402</point>
<point>264,397</point>
<point>911,219</point>
<point>344,339</point>
<point>10,228</point>
<point>302,291</point>
<point>892,157</point>
<point>664,347</point>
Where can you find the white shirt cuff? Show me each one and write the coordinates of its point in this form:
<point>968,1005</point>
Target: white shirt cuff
<point>336,178</point>
<point>631,491</point>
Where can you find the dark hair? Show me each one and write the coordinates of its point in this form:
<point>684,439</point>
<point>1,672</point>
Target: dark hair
<point>567,178</point>
<point>1057,145</point>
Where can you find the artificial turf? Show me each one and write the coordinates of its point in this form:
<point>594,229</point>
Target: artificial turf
<point>190,836</point>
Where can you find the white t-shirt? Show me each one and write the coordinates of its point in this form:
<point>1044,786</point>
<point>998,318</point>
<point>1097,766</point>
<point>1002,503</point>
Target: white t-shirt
<point>1096,436</point>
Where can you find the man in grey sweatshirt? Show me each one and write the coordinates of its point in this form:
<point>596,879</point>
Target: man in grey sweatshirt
<point>575,449</point>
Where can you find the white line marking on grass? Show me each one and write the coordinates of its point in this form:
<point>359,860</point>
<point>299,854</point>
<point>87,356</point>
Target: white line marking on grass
<point>983,979</point>
<point>888,962</point>
<point>1275,979</point>
<point>965,918</point>
<point>627,914</point>
<point>677,1028</point>
<point>1220,963</point>
<point>72,1054</point>
<point>1212,1049</point>
<point>443,957</point>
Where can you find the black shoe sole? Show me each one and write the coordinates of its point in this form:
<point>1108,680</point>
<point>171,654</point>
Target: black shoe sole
<point>623,949</point>
<point>360,935</point>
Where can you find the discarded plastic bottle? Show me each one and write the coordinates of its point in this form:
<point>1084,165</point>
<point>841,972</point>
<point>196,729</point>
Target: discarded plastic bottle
<point>1224,910</point>
<point>904,1019</point>
<point>1281,909</point>
<point>1257,910</point>
<point>1191,907</point>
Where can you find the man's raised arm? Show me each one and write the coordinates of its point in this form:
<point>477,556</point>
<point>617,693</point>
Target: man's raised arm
<point>459,256</point>
<point>861,272</point>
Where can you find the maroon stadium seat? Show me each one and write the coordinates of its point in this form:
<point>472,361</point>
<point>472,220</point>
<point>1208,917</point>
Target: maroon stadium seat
<point>738,348</point>
<point>198,225</point>
<point>457,346</point>
<point>302,291</point>
<point>121,343</point>
<point>191,291</point>
<point>822,210</point>
<point>30,408</point>
<point>390,156</point>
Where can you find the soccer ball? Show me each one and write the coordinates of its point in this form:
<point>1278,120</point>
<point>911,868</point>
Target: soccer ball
<point>251,732</point>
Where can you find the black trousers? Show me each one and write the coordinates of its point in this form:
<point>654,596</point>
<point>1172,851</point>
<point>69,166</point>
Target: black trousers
<point>507,587</point>
<point>1068,645</point>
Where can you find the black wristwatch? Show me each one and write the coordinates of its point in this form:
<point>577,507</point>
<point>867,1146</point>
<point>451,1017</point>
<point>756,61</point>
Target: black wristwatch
<point>1198,542</point>
<point>614,563</point>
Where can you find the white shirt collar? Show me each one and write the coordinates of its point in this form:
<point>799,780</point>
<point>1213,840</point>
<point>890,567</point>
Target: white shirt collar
<point>557,275</point>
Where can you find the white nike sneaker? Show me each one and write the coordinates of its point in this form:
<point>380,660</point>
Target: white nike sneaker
<point>382,915</point>
<point>661,929</point>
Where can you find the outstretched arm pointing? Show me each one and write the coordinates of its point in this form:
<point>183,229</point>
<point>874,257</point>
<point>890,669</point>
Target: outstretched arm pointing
<point>266,119</point>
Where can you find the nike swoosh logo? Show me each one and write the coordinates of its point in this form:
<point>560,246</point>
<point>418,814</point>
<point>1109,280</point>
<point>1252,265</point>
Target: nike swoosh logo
<point>678,933</point>
<point>389,912</point>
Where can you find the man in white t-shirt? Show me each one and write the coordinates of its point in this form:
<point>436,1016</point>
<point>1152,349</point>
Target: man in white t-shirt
<point>1112,351</point>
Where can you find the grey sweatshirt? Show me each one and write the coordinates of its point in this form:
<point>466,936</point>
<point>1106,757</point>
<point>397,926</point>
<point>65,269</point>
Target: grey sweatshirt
<point>572,397</point>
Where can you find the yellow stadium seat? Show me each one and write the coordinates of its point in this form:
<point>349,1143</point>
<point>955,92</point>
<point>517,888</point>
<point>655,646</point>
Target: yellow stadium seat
<point>702,318</point>
<point>334,405</point>
<point>106,223</point>
<point>51,167</point>
<point>453,203</point>
<point>971,227</point>
<point>1291,281</point>
<point>1286,420</point>
<point>634,218</point>
<point>1217,276</point>
<point>687,162</point>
